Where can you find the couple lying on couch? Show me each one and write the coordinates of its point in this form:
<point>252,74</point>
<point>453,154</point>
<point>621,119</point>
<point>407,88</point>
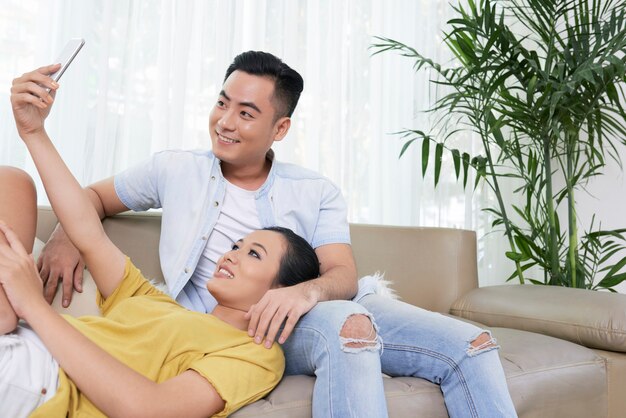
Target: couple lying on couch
<point>247,191</point>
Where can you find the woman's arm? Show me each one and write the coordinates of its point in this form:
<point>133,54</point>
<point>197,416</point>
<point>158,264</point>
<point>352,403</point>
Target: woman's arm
<point>31,104</point>
<point>116,389</point>
<point>77,216</point>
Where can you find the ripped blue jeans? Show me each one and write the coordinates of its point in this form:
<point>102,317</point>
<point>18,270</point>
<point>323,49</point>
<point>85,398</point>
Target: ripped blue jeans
<point>409,342</point>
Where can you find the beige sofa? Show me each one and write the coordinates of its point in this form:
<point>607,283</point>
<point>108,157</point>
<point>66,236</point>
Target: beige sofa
<point>563,350</point>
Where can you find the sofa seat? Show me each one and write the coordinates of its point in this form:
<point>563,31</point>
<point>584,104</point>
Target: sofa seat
<point>566,379</point>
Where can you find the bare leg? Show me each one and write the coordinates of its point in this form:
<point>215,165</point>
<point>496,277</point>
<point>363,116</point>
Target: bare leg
<point>18,209</point>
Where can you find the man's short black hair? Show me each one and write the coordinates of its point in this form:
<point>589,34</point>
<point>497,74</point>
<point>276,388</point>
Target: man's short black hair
<point>288,84</point>
<point>299,263</point>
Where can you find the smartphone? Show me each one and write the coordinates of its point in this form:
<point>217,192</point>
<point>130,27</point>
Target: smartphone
<point>67,56</point>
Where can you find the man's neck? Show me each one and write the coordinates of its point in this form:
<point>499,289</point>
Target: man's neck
<point>250,177</point>
<point>231,316</point>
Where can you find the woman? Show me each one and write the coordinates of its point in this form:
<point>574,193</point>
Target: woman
<point>146,356</point>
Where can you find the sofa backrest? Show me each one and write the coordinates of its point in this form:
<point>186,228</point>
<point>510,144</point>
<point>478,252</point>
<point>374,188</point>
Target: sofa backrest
<point>428,267</point>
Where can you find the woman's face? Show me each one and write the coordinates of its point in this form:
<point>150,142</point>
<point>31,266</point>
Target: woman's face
<point>244,274</point>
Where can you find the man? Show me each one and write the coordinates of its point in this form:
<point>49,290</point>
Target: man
<point>211,199</point>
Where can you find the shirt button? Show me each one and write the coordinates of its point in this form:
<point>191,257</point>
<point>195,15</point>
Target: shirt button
<point>186,269</point>
<point>204,238</point>
<point>212,177</point>
<point>216,204</point>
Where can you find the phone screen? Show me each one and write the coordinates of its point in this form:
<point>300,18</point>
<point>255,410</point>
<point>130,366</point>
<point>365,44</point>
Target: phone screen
<point>67,55</point>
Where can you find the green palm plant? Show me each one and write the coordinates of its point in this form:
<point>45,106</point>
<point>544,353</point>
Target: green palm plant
<point>540,82</point>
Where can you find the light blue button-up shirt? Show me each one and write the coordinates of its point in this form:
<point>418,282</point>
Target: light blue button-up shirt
<point>189,187</point>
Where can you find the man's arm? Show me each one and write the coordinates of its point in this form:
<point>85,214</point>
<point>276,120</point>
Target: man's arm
<point>338,280</point>
<point>60,259</point>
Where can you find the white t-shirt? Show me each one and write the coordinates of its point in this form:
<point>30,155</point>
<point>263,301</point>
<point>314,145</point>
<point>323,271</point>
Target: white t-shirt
<point>239,217</point>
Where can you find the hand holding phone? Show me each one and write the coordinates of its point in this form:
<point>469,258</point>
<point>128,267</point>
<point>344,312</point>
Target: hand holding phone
<point>30,105</point>
<point>67,56</point>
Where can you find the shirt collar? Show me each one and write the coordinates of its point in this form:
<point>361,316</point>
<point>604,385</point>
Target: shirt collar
<point>269,181</point>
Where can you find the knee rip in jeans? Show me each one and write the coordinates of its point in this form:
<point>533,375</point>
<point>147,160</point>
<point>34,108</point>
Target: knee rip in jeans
<point>359,333</point>
<point>482,343</point>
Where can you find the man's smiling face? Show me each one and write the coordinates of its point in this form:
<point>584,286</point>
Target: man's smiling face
<point>243,123</point>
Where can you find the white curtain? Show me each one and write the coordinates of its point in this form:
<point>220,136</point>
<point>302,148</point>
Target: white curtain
<point>151,70</point>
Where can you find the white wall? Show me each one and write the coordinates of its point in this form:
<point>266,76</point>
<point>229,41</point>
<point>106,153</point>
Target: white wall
<point>607,200</point>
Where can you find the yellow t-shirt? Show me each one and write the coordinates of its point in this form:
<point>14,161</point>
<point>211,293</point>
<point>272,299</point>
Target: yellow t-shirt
<point>148,331</point>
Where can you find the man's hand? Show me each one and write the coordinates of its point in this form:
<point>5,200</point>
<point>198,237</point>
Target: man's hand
<point>59,259</point>
<point>18,274</point>
<point>286,304</point>
<point>30,100</point>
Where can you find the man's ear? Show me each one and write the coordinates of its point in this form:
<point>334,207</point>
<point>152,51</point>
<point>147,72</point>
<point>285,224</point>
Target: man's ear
<point>281,127</point>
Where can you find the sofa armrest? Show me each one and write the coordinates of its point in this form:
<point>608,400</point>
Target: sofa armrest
<point>593,319</point>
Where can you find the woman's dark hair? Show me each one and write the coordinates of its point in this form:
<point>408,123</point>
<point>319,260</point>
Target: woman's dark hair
<point>288,84</point>
<point>299,263</point>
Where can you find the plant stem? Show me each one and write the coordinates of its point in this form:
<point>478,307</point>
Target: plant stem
<point>552,238</point>
<point>496,188</point>
<point>571,211</point>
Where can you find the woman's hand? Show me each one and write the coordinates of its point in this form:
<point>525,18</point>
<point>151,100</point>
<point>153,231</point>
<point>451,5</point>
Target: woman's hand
<point>31,101</point>
<point>18,274</point>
